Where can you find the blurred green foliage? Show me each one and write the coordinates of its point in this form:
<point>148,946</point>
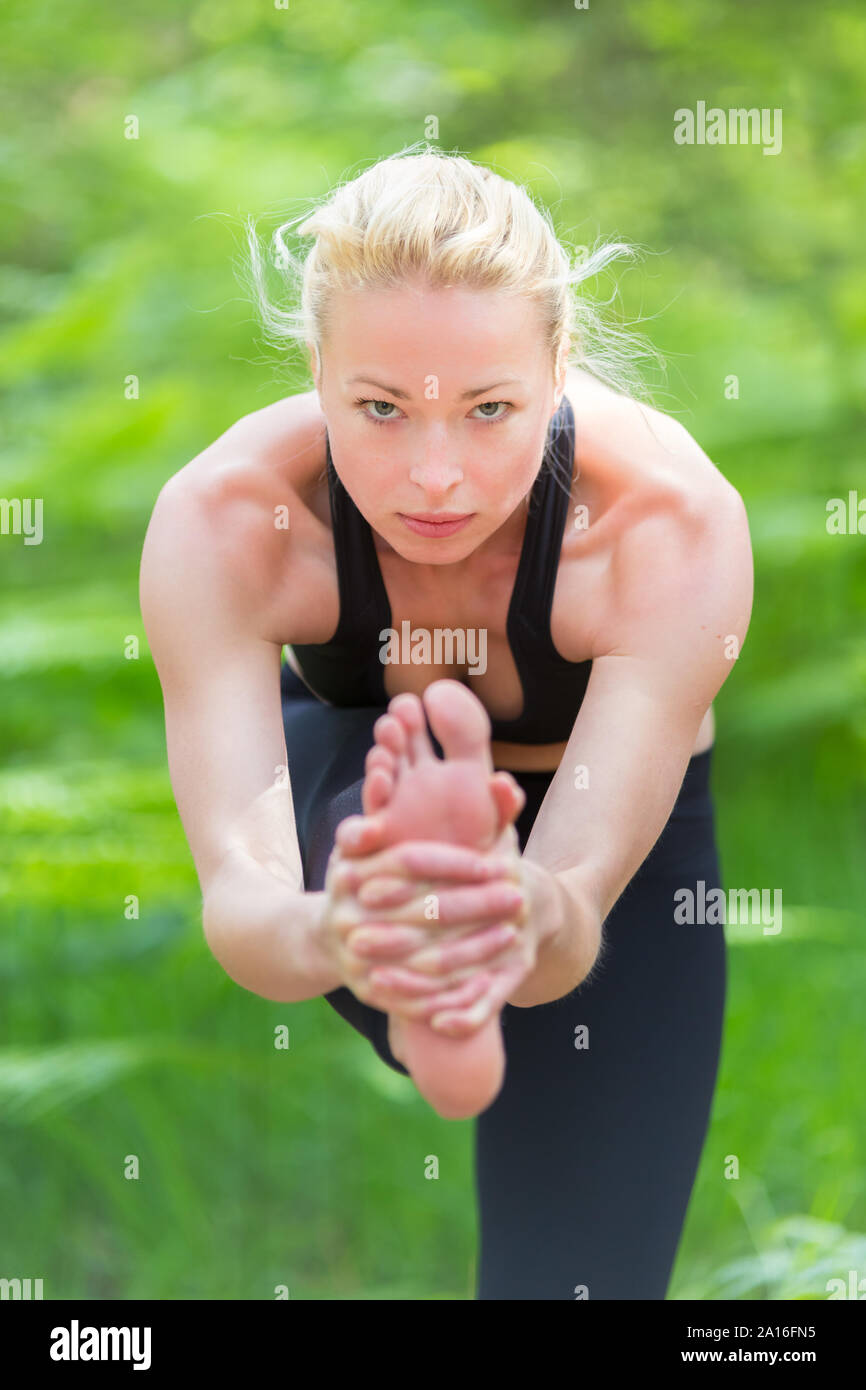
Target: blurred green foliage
<point>121,1035</point>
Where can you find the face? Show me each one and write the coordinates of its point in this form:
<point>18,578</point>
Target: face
<point>437,401</point>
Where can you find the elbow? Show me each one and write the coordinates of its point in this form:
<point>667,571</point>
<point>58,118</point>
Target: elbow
<point>267,952</point>
<point>221,940</point>
<point>228,945</point>
<point>231,949</point>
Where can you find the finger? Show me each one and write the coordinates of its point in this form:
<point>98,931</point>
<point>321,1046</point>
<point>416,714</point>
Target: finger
<point>381,942</point>
<point>341,876</point>
<point>402,977</point>
<point>470,949</point>
<point>436,859</point>
<point>462,1022</point>
<point>407,982</point>
<point>430,860</point>
<point>461,996</point>
<point>360,835</point>
<point>354,875</point>
<point>421,860</point>
<point>503,899</point>
<point>386,892</point>
<point>419,1009</point>
<point>466,907</point>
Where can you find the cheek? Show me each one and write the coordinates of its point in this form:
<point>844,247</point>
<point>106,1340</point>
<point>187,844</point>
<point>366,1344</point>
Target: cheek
<point>375,485</point>
<point>508,478</point>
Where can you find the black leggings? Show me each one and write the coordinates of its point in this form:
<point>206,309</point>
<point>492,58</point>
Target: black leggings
<point>585,1161</point>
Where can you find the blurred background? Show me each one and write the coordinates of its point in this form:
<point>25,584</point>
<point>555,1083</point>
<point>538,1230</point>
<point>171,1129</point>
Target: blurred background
<point>119,1033</point>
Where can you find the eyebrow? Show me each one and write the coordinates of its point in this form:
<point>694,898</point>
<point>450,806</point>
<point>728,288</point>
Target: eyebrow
<point>404,395</point>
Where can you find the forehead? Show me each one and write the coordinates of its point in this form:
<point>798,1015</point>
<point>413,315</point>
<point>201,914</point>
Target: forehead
<point>409,321</point>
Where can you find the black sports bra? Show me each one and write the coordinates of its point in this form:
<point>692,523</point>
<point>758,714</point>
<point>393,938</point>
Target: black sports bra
<point>349,670</point>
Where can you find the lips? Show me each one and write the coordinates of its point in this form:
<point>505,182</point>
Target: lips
<point>443,524</point>
<point>436,518</point>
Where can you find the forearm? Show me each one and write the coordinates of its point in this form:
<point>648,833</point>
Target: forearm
<point>570,928</point>
<point>266,934</point>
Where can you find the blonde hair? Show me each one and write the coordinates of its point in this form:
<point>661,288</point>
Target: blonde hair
<point>423,213</point>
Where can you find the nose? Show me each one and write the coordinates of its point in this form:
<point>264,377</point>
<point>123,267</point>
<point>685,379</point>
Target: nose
<point>435,467</point>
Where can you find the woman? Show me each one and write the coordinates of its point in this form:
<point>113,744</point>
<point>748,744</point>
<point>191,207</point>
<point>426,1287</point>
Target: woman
<point>596,587</point>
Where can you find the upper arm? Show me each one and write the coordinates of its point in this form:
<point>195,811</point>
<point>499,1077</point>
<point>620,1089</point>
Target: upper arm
<point>682,597</point>
<point>220,684</point>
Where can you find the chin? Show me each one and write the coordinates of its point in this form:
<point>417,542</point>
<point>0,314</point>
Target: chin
<point>427,554</point>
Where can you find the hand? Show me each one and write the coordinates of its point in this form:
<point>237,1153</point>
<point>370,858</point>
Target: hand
<point>365,923</point>
<point>359,838</point>
<point>427,978</point>
<point>462,975</point>
<point>504,963</point>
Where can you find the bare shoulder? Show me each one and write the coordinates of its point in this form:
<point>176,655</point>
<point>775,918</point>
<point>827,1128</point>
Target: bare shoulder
<point>633,447</point>
<point>263,458</point>
<point>661,533</point>
<point>245,512</point>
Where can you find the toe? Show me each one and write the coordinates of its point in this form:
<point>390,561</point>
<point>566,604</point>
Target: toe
<point>509,796</point>
<point>377,790</point>
<point>377,756</point>
<point>408,709</point>
<point>390,733</point>
<point>459,721</point>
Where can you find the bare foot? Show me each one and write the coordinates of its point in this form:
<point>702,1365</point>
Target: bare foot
<point>411,794</point>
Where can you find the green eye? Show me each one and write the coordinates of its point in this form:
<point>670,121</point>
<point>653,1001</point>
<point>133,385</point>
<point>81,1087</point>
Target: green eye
<point>362,404</point>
